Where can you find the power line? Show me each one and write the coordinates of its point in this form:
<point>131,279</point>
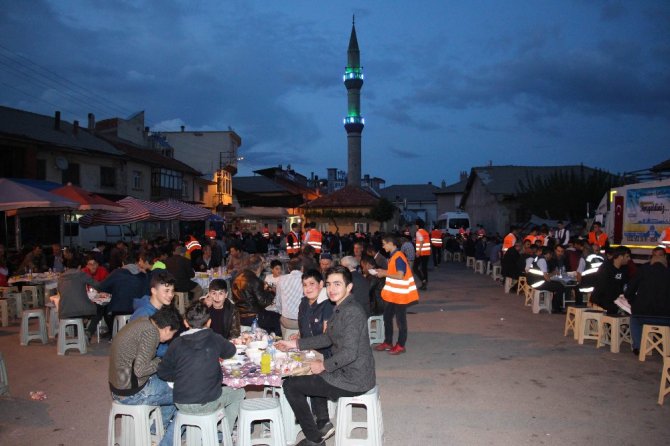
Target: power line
<point>64,82</point>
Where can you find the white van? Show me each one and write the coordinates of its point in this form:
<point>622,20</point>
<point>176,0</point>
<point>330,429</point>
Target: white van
<point>88,237</point>
<point>452,222</point>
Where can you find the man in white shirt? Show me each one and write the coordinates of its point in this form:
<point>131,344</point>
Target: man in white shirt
<point>289,294</point>
<point>562,234</point>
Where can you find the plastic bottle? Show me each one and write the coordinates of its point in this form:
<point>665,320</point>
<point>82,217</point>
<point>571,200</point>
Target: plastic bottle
<point>266,363</point>
<point>254,326</point>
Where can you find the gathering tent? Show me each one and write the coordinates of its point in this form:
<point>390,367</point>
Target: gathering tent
<point>87,201</point>
<point>188,212</point>
<point>137,210</point>
<point>18,198</point>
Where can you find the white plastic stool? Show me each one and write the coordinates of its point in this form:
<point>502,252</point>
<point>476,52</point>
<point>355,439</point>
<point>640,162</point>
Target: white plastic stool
<point>260,409</point>
<point>448,256</point>
<point>479,266</point>
<point>8,289</point>
<point>497,272</point>
<point>135,424</point>
<point>508,284</point>
<point>470,262</point>
<point>4,382</point>
<point>376,329</point>
<point>589,325</point>
<point>374,423</point>
<point>17,298</point>
<point>52,319</point>
<point>489,268</point>
<point>541,301</point>
<point>120,321</point>
<point>613,330</point>
<point>34,300</point>
<point>40,334</point>
<point>291,426</point>
<point>180,301</point>
<point>78,341</point>
<point>202,429</point>
<point>458,257</point>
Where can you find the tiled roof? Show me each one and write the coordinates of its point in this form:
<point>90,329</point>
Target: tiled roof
<point>411,192</point>
<point>41,128</point>
<point>152,157</point>
<point>348,196</point>
<point>456,188</point>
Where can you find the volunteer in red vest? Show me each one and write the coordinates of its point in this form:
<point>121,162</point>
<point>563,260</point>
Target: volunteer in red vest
<point>192,245</point>
<point>293,244</point>
<point>598,237</point>
<point>280,230</point>
<point>422,246</point>
<point>436,246</point>
<point>399,291</point>
<point>313,237</point>
<point>510,239</point>
<point>664,238</point>
<point>266,232</point>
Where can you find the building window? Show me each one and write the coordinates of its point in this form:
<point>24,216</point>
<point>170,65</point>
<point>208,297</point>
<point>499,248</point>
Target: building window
<point>71,174</point>
<point>166,183</point>
<point>41,170</point>
<point>137,180</point>
<point>107,177</point>
<point>184,191</point>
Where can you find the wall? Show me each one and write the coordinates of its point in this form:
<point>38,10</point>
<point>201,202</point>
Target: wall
<point>484,209</point>
<point>201,150</point>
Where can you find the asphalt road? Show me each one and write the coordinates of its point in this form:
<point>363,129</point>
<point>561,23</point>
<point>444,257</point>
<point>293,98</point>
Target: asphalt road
<point>480,369</point>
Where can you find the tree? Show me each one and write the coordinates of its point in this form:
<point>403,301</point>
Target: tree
<point>383,211</point>
<point>565,194</point>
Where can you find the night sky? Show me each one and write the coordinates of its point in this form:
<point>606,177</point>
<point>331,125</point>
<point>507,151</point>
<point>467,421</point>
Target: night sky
<point>448,84</point>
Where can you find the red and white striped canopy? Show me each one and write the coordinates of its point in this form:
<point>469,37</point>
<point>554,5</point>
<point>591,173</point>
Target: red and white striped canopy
<point>141,210</point>
<point>188,212</point>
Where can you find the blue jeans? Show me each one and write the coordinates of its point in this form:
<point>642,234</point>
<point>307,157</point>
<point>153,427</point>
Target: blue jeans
<point>636,323</point>
<point>156,392</point>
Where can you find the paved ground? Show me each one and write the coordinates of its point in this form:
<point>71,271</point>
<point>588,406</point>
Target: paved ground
<point>480,369</point>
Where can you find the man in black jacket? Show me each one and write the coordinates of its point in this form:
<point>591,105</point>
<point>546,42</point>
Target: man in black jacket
<point>350,371</point>
<point>649,296</point>
<point>610,280</point>
<point>251,296</point>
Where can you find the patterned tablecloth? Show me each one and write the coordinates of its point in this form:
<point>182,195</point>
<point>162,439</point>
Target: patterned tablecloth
<point>248,373</point>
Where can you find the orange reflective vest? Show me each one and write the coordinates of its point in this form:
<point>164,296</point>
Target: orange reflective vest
<point>192,245</point>
<point>600,240</point>
<point>315,239</point>
<point>508,242</point>
<point>292,243</point>
<point>422,246</point>
<point>665,240</point>
<point>531,238</point>
<point>266,233</point>
<point>400,291</point>
<point>436,238</point>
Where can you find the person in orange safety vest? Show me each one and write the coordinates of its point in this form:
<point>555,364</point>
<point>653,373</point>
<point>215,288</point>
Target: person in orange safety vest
<point>399,291</point>
<point>436,246</point>
<point>597,236</point>
<point>422,246</point>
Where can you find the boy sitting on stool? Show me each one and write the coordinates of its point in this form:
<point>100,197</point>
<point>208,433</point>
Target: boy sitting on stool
<point>192,363</point>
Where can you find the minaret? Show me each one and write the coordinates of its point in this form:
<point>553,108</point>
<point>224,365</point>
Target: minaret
<point>354,122</point>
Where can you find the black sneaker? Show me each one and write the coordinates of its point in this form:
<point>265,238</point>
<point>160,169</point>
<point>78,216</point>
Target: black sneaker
<point>327,429</point>
<point>307,442</point>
